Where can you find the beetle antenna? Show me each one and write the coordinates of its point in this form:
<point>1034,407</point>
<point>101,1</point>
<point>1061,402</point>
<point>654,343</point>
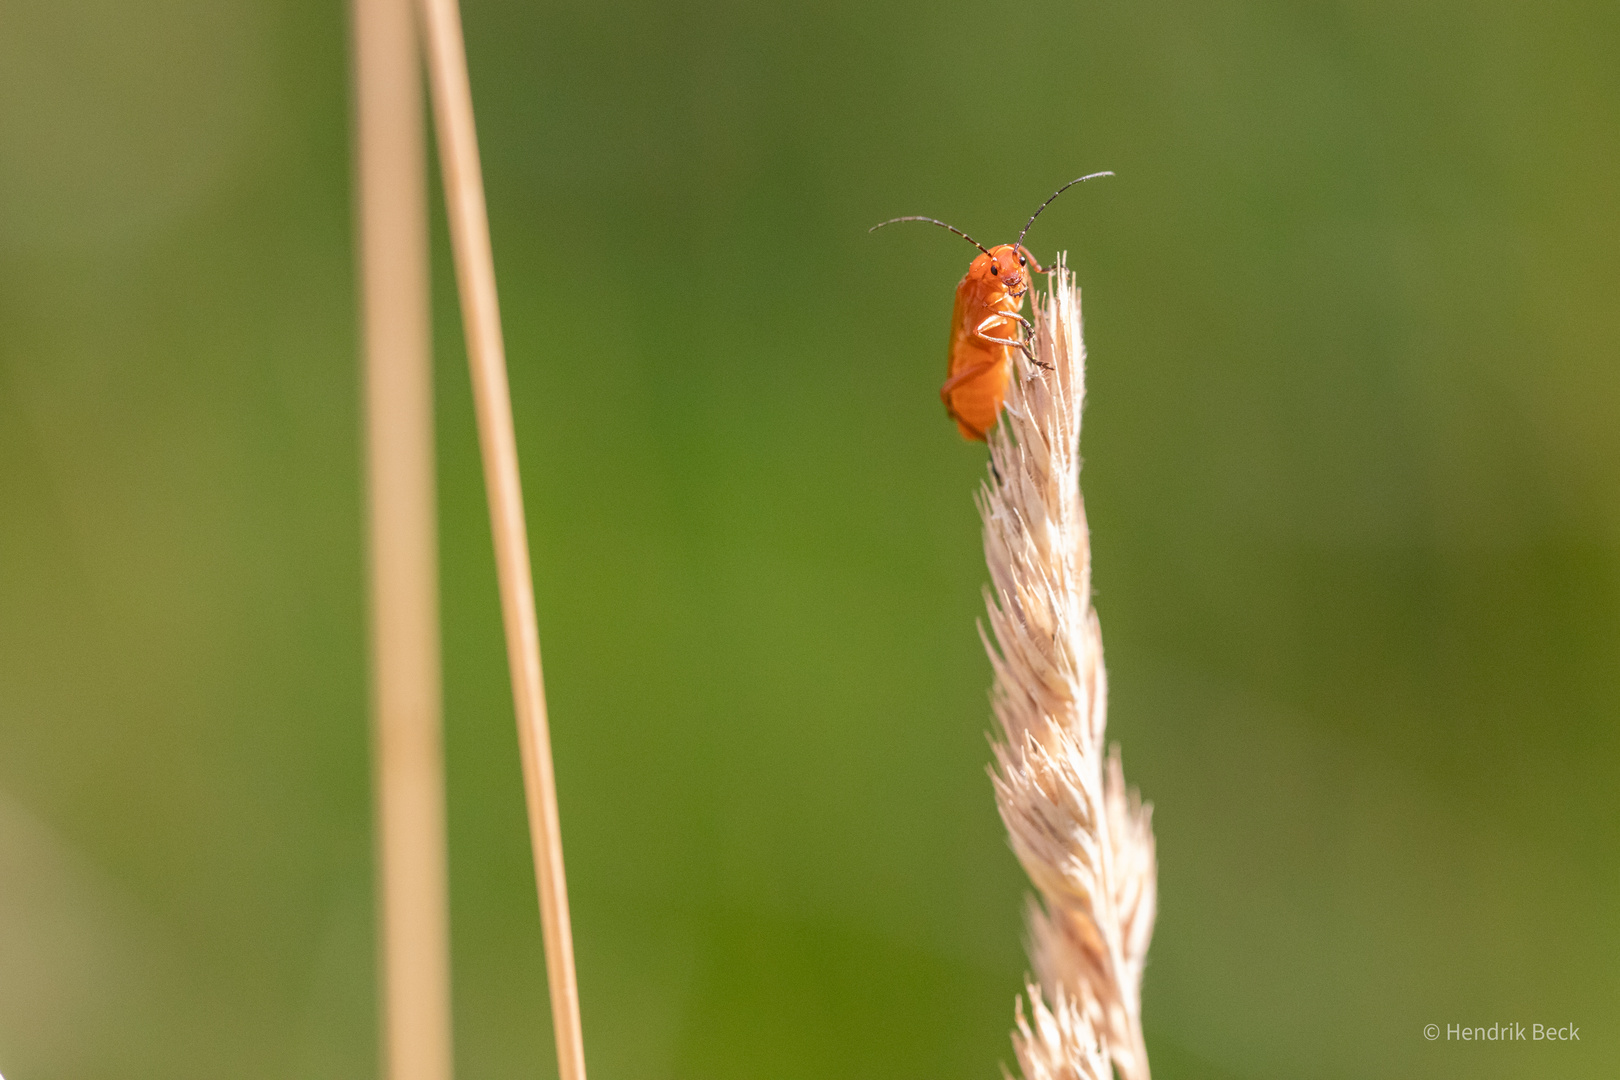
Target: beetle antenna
<point>941,224</point>
<point>1055,194</point>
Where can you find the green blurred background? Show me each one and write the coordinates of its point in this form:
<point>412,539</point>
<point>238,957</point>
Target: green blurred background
<point>1353,308</point>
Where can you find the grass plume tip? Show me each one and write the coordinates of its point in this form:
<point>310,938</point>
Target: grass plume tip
<point>1084,839</point>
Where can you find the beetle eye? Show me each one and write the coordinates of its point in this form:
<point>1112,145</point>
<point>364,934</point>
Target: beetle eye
<point>1022,261</point>
<point>994,269</point>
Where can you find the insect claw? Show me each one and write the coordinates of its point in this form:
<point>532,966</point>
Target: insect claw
<point>1029,354</point>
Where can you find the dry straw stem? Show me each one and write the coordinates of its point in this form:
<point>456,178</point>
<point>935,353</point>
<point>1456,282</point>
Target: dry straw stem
<point>486,355</point>
<point>1085,841</point>
<point>412,879</point>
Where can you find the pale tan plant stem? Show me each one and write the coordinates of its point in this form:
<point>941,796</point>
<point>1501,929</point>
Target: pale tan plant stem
<point>412,901</point>
<point>1083,836</point>
<point>486,355</point>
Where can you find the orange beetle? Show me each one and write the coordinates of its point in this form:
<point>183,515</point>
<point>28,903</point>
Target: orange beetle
<point>986,325</point>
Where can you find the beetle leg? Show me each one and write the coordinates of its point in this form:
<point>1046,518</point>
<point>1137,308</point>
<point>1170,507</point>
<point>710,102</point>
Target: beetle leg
<point>1039,269</point>
<point>1016,343</point>
<point>967,374</point>
<point>1029,327</point>
<point>988,319</point>
<point>1029,350</point>
<point>1019,344</point>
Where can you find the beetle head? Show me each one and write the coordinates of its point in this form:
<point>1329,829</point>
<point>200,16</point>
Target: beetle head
<point>1002,270</point>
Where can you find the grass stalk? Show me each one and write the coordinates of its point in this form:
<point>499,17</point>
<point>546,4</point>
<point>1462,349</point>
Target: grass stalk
<point>486,355</point>
<point>1085,840</point>
<point>408,782</point>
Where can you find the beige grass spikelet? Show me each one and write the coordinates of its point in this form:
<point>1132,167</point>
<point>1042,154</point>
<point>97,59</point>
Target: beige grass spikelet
<point>1060,1043</point>
<point>1085,840</point>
